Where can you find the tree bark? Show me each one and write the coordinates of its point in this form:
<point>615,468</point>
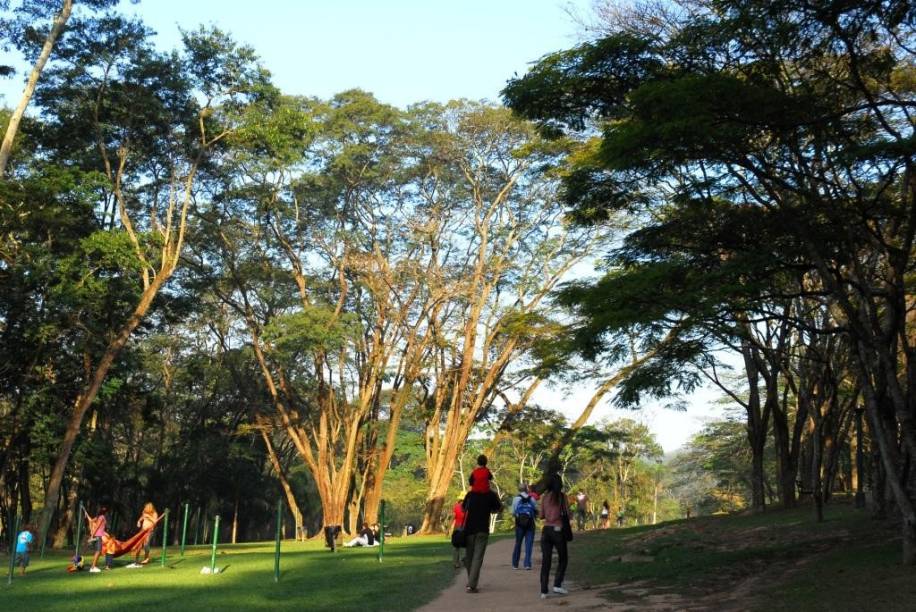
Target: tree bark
<point>12,128</point>
<point>284,482</point>
<point>66,521</point>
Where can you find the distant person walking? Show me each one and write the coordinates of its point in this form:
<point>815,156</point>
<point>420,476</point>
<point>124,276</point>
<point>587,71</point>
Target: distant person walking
<point>581,510</point>
<point>479,507</point>
<point>524,510</point>
<point>553,506</point>
<point>605,515</point>
<point>458,523</point>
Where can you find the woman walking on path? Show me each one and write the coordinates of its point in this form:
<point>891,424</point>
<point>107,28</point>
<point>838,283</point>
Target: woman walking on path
<point>605,515</point>
<point>479,507</point>
<point>553,506</point>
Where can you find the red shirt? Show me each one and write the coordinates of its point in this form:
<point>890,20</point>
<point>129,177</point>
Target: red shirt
<point>480,480</point>
<point>459,512</point>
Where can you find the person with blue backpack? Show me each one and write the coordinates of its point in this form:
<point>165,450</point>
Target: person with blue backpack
<point>524,509</point>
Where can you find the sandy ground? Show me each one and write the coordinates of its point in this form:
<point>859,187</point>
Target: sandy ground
<point>504,588</point>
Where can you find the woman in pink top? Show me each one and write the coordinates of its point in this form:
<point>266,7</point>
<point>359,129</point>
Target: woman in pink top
<point>553,505</point>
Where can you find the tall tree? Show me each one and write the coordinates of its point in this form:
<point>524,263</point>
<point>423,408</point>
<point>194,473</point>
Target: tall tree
<point>800,112</point>
<point>149,143</point>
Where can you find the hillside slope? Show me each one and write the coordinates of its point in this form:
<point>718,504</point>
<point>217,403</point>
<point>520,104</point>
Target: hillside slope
<point>780,560</point>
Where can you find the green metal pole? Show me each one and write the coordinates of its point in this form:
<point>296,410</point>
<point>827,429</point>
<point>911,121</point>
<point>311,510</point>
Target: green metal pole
<point>14,518</point>
<point>381,532</point>
<point>277,553</point>
<point>165,538</point>
<point>213,549</point>
<point>79,529</point>
<point>184,529</point>
<point>197,524</point>
<point>43,540</point>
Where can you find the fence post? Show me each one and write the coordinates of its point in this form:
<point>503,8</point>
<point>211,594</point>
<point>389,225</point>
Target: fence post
<point>165,537</point>
<point>79,529</point>
<point>215,538</point>
<point>381,532</point>
<point>14,523</point>
<point>184,529</point>
<point>277,553</point>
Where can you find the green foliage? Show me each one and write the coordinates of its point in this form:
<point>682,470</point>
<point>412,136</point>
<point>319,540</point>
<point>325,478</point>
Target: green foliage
<point>313,328</point>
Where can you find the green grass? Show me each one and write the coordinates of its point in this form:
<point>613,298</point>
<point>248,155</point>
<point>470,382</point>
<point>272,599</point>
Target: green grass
<point>413,572</point>
<point>861,577</point>
<point>848,562</point>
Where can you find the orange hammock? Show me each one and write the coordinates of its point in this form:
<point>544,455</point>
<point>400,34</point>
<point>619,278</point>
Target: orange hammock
<point>116,548</point>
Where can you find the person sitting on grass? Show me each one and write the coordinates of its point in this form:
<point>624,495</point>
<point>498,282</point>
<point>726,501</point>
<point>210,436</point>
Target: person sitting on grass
<point>97,530</point>
<point>481,476</point>
<point>23,547</point>
<point>365,537</point>
<point>146,521</point>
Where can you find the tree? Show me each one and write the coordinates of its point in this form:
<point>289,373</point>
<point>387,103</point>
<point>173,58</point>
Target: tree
<point>799,112</point>
<point>25,34</point>
<point>504,249</point>
<point>149,144</point>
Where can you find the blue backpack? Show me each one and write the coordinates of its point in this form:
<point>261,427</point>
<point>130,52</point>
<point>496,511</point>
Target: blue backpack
<point>525,512</point>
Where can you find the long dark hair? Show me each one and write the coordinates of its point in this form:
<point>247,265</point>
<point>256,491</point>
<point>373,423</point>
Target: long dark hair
<point>554,486</point>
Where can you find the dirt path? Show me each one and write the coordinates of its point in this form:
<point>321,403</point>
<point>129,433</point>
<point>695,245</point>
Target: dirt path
<point>504,588</point>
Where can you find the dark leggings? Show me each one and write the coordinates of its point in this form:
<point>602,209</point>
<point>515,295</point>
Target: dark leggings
<point>550,539</point>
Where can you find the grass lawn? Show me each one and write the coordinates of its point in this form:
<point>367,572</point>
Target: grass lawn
<point>779,560</point>
<point>414,570</point>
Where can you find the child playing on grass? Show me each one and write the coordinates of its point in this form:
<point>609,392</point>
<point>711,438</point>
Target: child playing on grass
<point>23,546</point>
<point>481,476</point>
<point>97,530</point>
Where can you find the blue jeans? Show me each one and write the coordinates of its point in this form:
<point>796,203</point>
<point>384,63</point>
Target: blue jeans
<point>528,536</point>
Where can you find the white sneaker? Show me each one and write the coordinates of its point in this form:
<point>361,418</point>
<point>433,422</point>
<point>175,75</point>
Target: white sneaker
<point>543,595</point>
<point>94,570</point>
<point>560,590</point>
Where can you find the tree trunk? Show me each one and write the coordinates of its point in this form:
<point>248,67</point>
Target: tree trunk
<point>87,396</point>
<point>235,519</point>
<point>758,488</point>
<point>284,483</point>
<point>66,521</point>
<point>376,479</point>
<point>13,126</point>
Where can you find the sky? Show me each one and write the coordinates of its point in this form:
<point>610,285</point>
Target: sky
<point>406,51</point>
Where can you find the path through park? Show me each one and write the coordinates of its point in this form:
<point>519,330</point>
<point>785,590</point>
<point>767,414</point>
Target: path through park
<point>504,588</point>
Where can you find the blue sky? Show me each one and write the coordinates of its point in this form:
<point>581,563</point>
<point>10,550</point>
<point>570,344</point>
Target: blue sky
<point>403,51</point>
